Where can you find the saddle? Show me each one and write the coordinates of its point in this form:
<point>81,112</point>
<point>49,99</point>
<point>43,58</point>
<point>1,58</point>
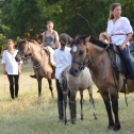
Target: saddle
<point>118,61</point>
<point>50,52</point>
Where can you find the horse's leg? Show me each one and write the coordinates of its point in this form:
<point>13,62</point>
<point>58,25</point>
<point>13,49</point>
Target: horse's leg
<point>72,105</point>
<point>115,110</point>
<point>108,108</point>
<point>50,86</point>
<point>65,106</point>
<point>81,102</point>
<point>39,80</point>
<point>92,101</point>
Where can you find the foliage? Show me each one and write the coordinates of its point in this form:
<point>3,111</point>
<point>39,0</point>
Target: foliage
<point>28,18</point>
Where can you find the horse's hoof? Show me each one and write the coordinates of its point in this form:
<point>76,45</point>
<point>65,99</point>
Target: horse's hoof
<point>73,122</point>
<point>95,118</point>
<point>110,127</point>
<point>117,128</point>
<point>65,122</point>
<point>82,117</point>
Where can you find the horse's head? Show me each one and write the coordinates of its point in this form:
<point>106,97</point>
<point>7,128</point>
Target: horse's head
<point>80,55</point>
<point>23,50</point>
<point>84,49</point>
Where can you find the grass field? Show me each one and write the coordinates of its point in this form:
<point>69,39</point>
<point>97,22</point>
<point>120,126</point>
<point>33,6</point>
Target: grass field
<point>30,115</point>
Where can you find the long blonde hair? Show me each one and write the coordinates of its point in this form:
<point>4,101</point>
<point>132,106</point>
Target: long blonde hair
<point>112,7</point>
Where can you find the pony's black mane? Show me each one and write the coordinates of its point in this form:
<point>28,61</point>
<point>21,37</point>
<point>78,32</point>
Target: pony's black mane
<point>97,42</point>
<point>81,39</point>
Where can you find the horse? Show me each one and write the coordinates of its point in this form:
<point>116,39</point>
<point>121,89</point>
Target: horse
<point>40,59</point>
<point>91,52</point>
<point>70,83</point>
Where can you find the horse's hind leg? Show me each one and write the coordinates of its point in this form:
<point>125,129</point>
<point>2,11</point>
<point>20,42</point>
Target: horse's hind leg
<point>92,101</point>
<point>50,87</point>
<point>65,106</point>
<point>81,102</point>
<point>115,110</point>
<point>108,108</point>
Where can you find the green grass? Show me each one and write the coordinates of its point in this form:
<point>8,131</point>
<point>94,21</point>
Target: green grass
<point>30,115</point>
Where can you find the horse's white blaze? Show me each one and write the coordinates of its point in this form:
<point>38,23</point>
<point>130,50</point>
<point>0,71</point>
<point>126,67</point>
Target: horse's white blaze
<point>75,48</point>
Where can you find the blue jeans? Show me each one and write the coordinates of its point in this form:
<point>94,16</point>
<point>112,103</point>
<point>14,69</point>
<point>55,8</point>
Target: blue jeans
<point>125,54</point>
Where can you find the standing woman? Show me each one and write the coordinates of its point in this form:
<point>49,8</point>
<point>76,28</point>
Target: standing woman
<point>11,68</point>
<point>120,32</point>
<point>62,58</point>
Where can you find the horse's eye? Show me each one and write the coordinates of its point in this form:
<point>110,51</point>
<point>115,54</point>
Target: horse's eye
<point>81,52</point>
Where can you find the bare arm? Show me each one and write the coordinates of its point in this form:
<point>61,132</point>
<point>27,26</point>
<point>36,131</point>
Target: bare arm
<point>19,68</point>
<point>4,68</point>
<point>123,46</point>
<point>57,39</point>
<point>109,40</point>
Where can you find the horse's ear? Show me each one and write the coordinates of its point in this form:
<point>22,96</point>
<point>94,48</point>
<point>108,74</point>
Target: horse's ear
<point>87,39</point>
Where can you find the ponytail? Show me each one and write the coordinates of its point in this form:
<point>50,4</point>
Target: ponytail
<point>63,40</point>
<point>112,7</point>
<point>63,44</point>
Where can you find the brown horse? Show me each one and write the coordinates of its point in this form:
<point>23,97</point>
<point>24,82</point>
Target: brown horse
<point>88,50</point>
<point>40,60</point>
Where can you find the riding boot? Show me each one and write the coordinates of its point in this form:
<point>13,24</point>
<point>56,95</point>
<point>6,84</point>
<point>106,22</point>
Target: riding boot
<point>72,108</point>
<point>60,110</point>
<point>33,76</point>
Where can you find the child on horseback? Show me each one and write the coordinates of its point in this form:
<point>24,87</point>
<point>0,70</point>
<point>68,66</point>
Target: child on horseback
<point>120,32</point>
<point>103,37</point>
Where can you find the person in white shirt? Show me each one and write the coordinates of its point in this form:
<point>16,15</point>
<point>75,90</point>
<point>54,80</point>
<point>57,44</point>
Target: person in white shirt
<point>11,68</point>
<point>120,32</point>
<point>62,58</point>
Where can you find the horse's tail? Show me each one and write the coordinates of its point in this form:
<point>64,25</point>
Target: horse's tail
<point>63,82</point>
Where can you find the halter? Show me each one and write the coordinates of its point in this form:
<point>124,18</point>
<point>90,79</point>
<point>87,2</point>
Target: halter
<point>83,64</point>
<point>28,50</point>
<point>31,54</point>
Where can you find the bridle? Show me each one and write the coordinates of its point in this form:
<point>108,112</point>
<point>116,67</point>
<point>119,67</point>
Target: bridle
<point>31,55</point>
<point>83,64</point>
<point>24,54</point>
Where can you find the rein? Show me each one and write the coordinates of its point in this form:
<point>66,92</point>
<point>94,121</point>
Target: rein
<point>82,65</point>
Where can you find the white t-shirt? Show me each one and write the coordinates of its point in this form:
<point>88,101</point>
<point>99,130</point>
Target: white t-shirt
<point>62,59</point>
<point>121,26</point>
<point>11,64</point>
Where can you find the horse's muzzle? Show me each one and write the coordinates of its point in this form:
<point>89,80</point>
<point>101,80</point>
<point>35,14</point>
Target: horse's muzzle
<point>74,72</point>
<point>18,58</point>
